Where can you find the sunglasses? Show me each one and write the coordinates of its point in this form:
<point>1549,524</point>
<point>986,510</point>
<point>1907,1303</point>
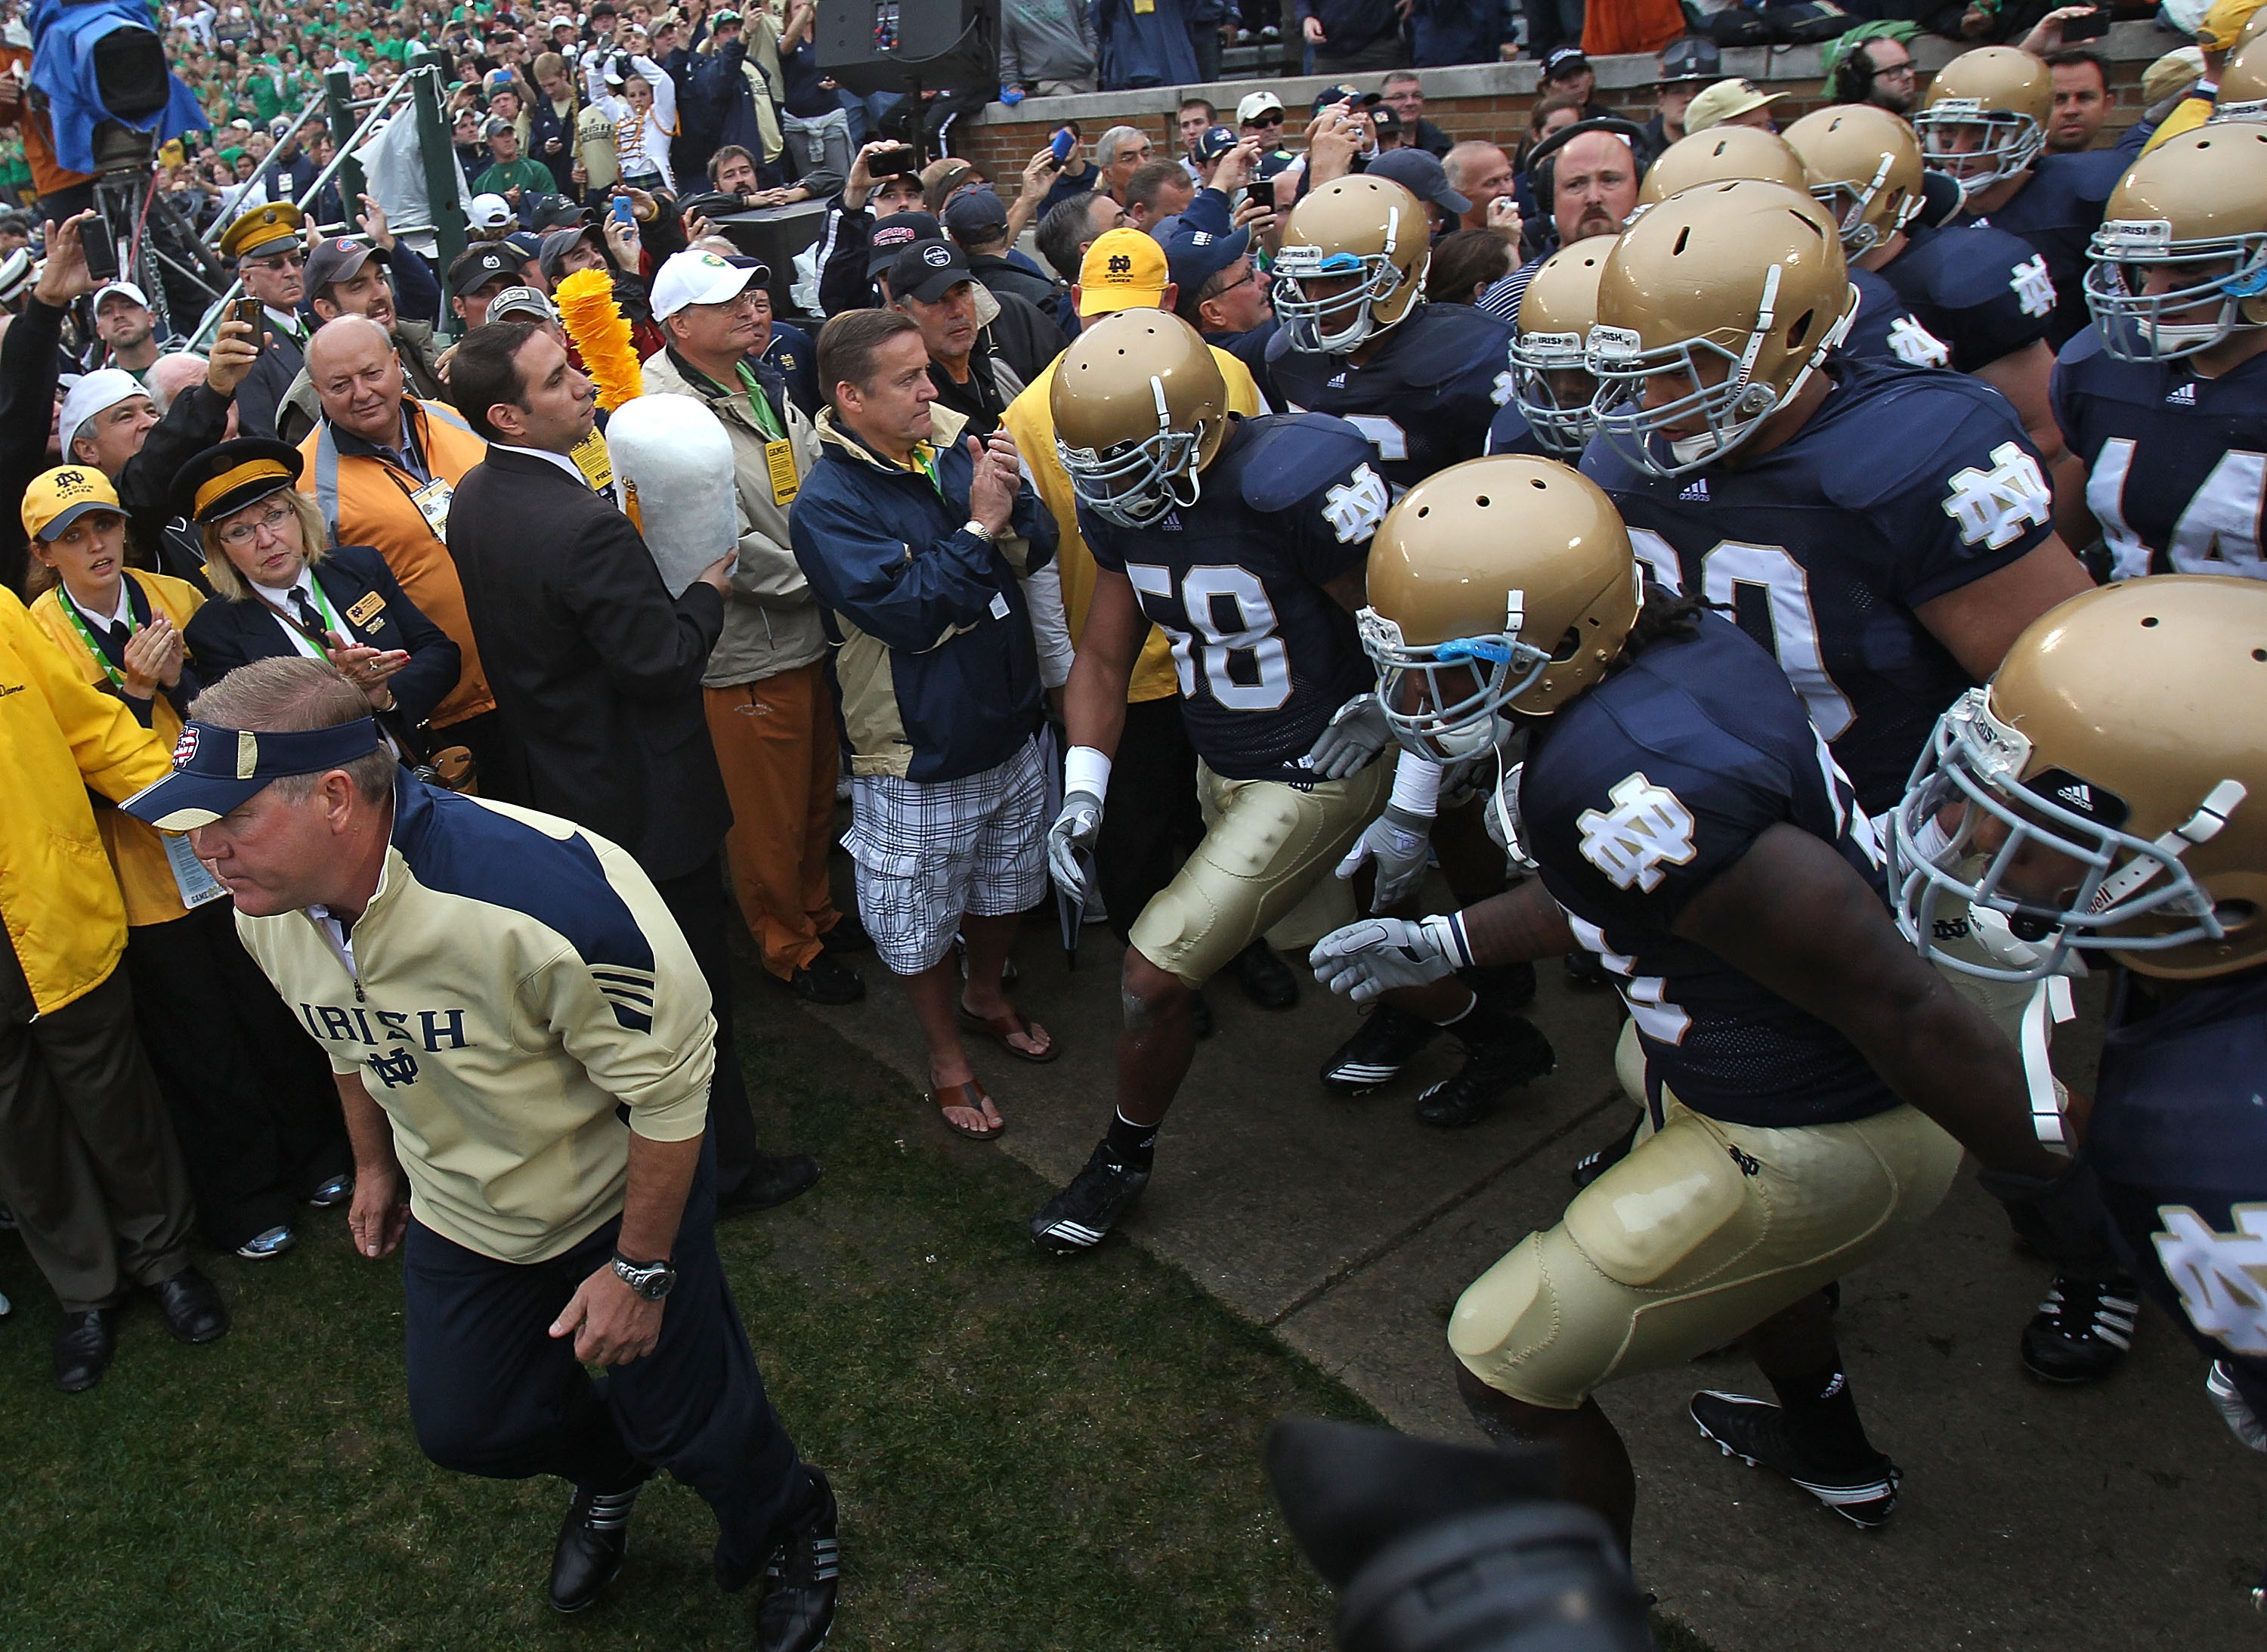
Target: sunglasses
<point>1275,119</point>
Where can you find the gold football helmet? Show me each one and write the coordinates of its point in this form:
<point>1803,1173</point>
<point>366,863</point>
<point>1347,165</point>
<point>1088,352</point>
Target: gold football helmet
<point>2243,82</point>
<point>2108,791</point>
<point>1717,156</point>
<point>1550,365</point>
<point>1863,165</point>
<point>1352,263</point>
<point>1729,296</point>
<point>1502,585</point>
<point>2194,207</point>
<point>1139,409</point>
<point>1986,115</point>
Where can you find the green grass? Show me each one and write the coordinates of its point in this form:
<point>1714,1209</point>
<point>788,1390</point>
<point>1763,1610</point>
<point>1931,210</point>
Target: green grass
<point>1030,1454</point>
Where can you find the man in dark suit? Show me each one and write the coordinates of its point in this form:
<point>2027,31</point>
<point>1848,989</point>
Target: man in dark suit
<point>598,674</point>
<point>264,245</point>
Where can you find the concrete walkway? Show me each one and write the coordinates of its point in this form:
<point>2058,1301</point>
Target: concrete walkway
<point>2119,1517</point>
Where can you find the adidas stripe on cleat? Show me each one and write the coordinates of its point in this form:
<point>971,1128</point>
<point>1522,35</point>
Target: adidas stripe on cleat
<point>1753,1430</point>
<point>2082,1330</point>
<point>1387,1041</point>
<point>1078,1218</point>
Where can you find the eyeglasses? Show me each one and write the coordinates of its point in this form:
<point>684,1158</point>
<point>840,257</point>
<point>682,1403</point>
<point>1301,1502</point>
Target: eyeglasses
<point>1894,71</point>
<point>1249,275</point>
<point>281,260</point>
<point>243,533</point>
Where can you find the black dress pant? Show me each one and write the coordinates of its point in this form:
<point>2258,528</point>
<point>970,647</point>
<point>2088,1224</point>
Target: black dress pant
<point>492,1393</point>
<point>697,901</point>
<point>87,1162</point>
<point>250,1093</point>
<point>1157,823</point>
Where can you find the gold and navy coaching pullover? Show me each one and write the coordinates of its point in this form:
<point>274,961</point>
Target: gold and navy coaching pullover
<point>514,987</point>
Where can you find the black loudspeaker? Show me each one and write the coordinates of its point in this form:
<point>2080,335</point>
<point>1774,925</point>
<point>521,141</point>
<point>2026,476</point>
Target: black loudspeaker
<point>907,45</point>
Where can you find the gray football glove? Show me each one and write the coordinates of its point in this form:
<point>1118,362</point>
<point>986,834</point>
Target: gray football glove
<point>1078,824</point>
<point>1356,734</point>
<point>1374,955</point>
<point>1399,843</point>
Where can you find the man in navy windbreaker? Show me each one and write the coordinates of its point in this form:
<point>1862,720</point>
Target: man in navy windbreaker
<point>914,539</point>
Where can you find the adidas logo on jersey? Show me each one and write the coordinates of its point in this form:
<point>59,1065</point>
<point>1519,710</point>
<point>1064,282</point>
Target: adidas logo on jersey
<point>1171,524</point>
<point>1696,490</point>
<point>1338,382</point>
<point>2182,395</point>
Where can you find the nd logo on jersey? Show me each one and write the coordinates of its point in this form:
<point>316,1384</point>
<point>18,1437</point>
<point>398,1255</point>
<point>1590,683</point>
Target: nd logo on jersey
<point>2222,1277</point>
<point>1647,824</point>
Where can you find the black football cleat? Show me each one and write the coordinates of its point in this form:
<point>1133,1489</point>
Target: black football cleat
<point>592,1540</point>
<point>2082,1331</point>
<point>1753,1430</point>
<point>1387,1040</point>
<point>1076,1218</point>
<point>797,1610</point>
<point>1590,1166</point>
<point>1509,1052</point>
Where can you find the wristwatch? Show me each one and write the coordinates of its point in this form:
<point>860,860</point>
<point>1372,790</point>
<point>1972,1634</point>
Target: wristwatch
<point>982,532</point>
<point>650,1280</point>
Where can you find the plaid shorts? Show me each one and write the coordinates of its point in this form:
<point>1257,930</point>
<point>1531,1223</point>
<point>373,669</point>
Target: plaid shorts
<point>930,852</point>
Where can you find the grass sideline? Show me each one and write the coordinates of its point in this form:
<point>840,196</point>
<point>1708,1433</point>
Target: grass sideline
<point>1029,1455</point>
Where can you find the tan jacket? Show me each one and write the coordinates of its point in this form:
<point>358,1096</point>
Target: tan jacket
<point>772,624</point>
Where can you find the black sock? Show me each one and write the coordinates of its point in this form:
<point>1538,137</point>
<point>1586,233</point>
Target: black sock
<point>1822,1419</point>
<point>1133,1145</point>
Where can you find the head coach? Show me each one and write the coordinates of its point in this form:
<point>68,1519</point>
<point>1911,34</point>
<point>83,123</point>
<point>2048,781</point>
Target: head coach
<point>516,1025</point>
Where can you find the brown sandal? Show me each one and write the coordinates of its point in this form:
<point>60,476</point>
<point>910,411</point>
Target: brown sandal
<point>972,1099</point>
<point>1000,1029</point>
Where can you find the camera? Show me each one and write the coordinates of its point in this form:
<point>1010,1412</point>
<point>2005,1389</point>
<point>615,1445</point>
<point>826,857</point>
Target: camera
<point>2091,26</point>
<point>891,163</point>
<point>1435,1548</point>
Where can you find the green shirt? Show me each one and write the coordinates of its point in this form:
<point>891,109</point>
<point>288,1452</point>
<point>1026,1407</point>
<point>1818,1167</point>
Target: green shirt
<point>529,177</point>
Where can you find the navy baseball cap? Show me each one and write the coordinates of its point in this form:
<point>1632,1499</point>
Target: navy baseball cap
<point>216,769</point>
<point>1343,93</point>
<point>1421,175</point>
<point>1214,142</point>
<point>895,233</point>
<point>979,212</point>
<point>1195,256</point>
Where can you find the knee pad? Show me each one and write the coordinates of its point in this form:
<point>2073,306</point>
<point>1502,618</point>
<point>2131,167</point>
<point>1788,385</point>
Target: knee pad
<point>1484,1331</point>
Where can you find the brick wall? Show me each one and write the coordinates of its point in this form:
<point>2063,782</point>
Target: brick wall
<point>1484,100</point>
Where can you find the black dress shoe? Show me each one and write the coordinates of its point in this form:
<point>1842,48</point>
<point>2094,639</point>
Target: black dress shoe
<point>775,1180</point>
<point>192,1306</point>
<point>798,1605</point>
<point>592,1540</point>
<point>826,980</point>
<point>848,936</point>
<point>84,1348</point>
<point>1268,979</point>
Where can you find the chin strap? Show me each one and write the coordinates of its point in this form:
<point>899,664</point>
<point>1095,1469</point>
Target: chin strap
<point>2211,814</point>
<point>2051,1005</point>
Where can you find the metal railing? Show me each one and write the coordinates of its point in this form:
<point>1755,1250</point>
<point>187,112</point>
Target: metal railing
<point>403,92</point>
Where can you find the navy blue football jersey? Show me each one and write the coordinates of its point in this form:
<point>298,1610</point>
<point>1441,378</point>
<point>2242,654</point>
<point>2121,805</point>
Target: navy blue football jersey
<point>1986,293</point>
<point>2178,1139</point>
<point>1905,484</point>
<point>2176,465</point>
<point>1637,796</point>
<point>1884,330</point>
<point>1426,399</point>
<point>1263,653</point>
<point>2057,213</point>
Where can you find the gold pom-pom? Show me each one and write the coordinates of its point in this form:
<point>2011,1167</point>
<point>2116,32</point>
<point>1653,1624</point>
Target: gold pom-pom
<point>601,334</point>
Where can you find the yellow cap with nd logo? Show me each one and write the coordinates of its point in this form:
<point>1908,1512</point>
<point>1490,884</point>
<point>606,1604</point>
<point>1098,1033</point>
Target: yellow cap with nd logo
<point>1124,269</point>
<point>59,497</point>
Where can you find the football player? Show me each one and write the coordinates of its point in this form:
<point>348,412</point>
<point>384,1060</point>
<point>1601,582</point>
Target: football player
<point>1884,330</point>
<point>1420,381</point>
<point>1243,540</point>
<point>1981,306</point>
<point>1551,390</point>
<point>1986,125</point>
<point>2164,402</point>
<point>1809,1084</point>
<point>1885,530</point>
<point>2107,794</point>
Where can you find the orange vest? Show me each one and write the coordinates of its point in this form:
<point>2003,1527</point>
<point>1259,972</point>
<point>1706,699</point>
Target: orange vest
<point>138,852</point>
<point>366,501</point>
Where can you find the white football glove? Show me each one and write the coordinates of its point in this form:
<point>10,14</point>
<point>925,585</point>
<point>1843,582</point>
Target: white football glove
<point>1078,824</point>
<point>1399,842</point>
<point>1374,955</point>
<point>1356,733</point>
